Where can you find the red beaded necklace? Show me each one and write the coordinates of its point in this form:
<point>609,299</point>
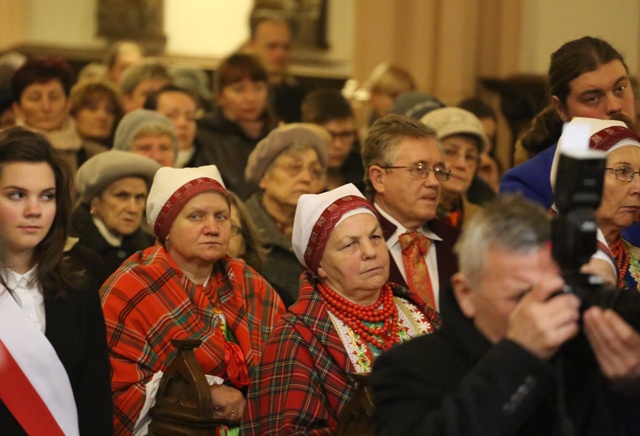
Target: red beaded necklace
<point>354,315</point>
<point>621,254</point>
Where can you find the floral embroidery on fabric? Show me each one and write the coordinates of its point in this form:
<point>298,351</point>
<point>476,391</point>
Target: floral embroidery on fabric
<point>411,323</point>
<point>634,267</point>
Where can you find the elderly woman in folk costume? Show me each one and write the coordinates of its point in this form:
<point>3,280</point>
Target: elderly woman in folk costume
<point>186,287</point>
<point>620,206</point>
<point>346,315</point>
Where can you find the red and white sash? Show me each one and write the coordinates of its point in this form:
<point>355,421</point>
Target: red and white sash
<point>33,383</point>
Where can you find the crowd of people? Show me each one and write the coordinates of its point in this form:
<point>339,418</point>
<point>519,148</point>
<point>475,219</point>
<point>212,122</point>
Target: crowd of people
<point>331,271</point>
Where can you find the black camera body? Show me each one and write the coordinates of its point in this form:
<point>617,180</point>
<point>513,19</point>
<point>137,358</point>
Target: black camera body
<point>578,189</point>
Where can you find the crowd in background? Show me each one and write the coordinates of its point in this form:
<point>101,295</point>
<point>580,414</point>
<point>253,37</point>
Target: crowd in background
<point>233,211</point>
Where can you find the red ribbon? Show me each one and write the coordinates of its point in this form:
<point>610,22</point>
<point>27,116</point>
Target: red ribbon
<point>236,365</point>
<point>22,399</point>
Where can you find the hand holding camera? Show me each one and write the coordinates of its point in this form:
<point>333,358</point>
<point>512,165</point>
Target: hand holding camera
<point>541,324</point>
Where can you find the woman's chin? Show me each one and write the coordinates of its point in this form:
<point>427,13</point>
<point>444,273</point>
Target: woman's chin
<point>377,278</point>
<point>213,254</point>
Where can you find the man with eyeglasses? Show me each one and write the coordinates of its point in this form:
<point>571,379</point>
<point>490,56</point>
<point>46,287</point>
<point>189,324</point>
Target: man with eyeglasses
<point>404,169</point>
<point>330,110</point>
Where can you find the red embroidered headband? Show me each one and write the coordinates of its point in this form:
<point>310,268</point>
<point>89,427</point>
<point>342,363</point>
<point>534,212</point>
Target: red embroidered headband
<point>326,223</point>
<point>608,137</point>
<point>179,198</point>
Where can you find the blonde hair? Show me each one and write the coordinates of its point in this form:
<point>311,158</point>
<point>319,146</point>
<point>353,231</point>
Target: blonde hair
<point>391,80</point>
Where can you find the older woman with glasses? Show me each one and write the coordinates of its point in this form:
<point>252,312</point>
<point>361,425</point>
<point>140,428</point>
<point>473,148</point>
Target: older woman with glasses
<point>288,163</point>
<point>620,205</point>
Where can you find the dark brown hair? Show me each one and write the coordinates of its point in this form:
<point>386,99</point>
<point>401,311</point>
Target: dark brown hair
<point>324,105</point>
<point>576,58</point>
<point>544,131</point>
<point>41,71</point>
<point>21,145</point>
<point>238,67</point>
<point>567,63</point>
<point>151,102</point>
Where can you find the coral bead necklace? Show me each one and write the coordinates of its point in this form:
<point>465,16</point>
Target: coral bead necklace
<point>354,315</point>
<point>622,260</point>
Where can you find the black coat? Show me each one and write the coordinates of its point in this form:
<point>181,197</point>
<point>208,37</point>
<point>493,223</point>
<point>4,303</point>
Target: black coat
<point>286,100</point>
<point>281,268</point>
<point>83,227</point>
<point>352,170</point>
<point>455,382</point>
<point>224,144</point>
<point>76,330</point>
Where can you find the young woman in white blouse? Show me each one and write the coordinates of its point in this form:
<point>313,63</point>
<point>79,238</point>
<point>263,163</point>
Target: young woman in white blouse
<point>55,367</point>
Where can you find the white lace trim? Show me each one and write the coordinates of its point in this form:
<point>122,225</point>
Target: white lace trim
<point>411,322</point>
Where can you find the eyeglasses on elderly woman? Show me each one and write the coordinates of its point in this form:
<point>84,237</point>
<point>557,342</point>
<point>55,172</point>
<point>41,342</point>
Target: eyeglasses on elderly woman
<point>294,168</point>
<point>624,174</point>
<point>422,171</point>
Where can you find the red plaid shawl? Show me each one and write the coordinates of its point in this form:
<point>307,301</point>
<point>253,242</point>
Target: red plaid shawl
<point>148,301</point>
<point>303,381</point>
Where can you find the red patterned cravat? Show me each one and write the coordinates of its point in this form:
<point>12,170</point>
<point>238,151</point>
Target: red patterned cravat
<point>414,247</point>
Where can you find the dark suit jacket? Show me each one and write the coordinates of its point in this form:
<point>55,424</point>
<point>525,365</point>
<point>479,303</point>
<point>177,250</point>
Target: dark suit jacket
<point>447,260</point>
<point>455,382</point>
<point>76,330</point>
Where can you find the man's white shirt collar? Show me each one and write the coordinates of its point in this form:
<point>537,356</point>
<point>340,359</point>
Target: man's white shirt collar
<point>400,229</point>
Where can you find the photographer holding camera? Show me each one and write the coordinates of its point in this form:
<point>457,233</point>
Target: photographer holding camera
<point>493,367</point>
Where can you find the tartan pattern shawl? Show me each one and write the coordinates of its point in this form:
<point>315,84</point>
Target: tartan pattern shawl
<point>148,301</point>
<point>304,378</point>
